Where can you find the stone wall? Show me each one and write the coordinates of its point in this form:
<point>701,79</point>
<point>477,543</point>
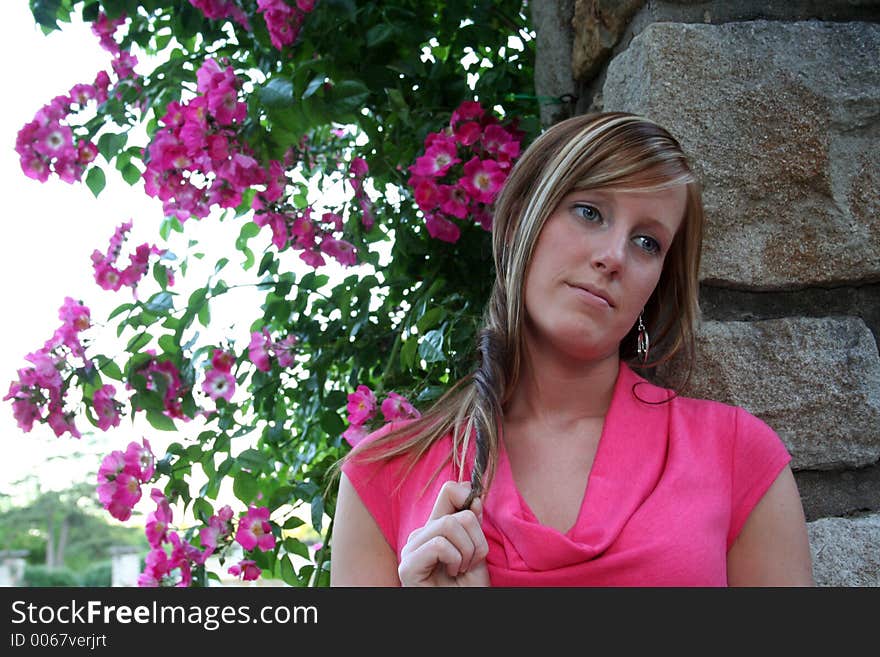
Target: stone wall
<point>778,106</point>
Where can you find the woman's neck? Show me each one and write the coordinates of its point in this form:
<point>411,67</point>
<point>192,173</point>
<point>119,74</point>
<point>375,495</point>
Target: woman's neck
<point>553,390</point>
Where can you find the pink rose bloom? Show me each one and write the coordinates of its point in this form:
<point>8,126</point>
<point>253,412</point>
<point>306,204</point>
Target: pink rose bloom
<point>106,407</point>
<point>342,251</point>
<point>223,360</point>
<point>254,530</point>
<point>139,460</point>
<point>219,384</point>
<point>246,569</point>
<point>396,407</point>
<point>441,228</point>
<point>284,350</point>
<point>159,520</point>
<point>258,350</point>
<point>483,179</point>
<point>361,405</point>
<point>355,434</point>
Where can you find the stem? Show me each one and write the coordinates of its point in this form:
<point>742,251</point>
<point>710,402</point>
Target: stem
<point>316,576</point>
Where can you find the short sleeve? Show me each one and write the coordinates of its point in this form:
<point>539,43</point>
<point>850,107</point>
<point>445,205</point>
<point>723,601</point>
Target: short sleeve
<point>374,482</point>
<point>759,455</point>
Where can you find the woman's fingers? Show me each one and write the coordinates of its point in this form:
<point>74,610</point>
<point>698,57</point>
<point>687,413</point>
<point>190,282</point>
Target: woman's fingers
<point>461,529</point>
<point>420,563</point>
<point>451,538</point>
<point>452,495</point>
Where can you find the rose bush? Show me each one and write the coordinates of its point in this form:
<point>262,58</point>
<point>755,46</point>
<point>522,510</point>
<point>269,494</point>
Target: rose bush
<point>372,134</point>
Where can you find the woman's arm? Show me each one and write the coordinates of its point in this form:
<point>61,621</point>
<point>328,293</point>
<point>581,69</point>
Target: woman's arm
<point>773,548</point>
<point>360,555</point>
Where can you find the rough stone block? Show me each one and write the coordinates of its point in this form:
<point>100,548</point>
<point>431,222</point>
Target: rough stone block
<point>844,551</point>
<point>781,121</point>
<point>816,381</point>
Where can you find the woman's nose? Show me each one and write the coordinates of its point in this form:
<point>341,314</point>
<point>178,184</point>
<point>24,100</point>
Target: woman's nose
<point>608,253</point>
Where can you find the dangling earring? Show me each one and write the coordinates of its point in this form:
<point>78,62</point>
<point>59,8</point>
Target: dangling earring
<point>644,343</point>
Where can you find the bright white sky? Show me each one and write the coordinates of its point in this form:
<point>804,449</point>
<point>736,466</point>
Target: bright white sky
<point>50,232</point>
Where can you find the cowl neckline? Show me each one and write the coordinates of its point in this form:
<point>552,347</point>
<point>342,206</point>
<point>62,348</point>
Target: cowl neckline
<point>628,464</point>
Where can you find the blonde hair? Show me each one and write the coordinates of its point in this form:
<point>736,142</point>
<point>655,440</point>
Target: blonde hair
<point>608,150</point>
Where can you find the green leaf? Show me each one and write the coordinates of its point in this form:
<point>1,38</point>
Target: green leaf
<point>348,96</point>
<point>202,509</point>
<point>332,423</point>
<point>160,302</point>
<point>160,421</point>
<point>131,174</point>
<point>431,347</point>
<point>408,352</point>
<point>109,144</point>
<point>168,344</point>
<point>111,369</point>
<point>314,85</point>
<point>46,12</point>
<point>205,315</point>
<point>430,319</point>
<point>379,34</point>
<point>294,546</point>
<point>96,181</point>
<point>245,487</point>
<point>120,309</point>
<point>221,263</point>
<point>293,522</point>
<point>138,342</point>
<point>288,574</point>
<point>253,460</point>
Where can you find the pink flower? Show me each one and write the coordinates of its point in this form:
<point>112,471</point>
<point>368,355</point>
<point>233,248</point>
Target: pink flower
<point>159,520</point>
<point>436,160</point>
<point>139,460</point>
<point>246,569</point>
<point>442,229</point>
<point>284,350</point>
<point>483,179</point>
<point>106,407</point>
<point>342,251</point>
<point>467,110</point>
<point>219,384</point>
<point>254,530</point>
<point>219,527</point>
<point>258,350</point>
<point>223,360</point>
<point>468,133</point>
<point>361,405</point>
<point>397,407</point>
<point>355,434</point>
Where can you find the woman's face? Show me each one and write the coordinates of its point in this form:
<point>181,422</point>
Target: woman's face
<point>597,260</point>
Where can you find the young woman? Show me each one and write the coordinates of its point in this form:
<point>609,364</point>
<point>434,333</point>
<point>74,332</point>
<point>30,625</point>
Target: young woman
<point>554,463</point>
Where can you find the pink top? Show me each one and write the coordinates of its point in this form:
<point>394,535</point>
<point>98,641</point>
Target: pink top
<point>669,491</point>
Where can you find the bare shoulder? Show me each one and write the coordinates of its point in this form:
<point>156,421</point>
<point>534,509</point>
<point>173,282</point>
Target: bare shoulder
<point>773,547</point>
<point>360,555</point>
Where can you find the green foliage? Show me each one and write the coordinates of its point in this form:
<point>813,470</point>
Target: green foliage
<point>97,574</point>
<point>388,74</point>
<point>45,576</point>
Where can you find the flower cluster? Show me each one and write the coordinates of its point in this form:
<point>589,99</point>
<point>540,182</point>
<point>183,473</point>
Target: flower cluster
<point>299,230</point>
<point>219,381</point>
<point>163,377</point>
<point>362,406</point>
<point>196,159</point>
<point>109,276</point>
<point>254,531</point>
<point>220,9</point>
<point>284,21</point>
<point>38,394</point>
<point>444,188</point>
<point>262,348</point>
<point>121,475</point>
<point>48,144</point>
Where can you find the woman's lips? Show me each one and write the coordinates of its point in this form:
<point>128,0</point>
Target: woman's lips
<point>592,296</point>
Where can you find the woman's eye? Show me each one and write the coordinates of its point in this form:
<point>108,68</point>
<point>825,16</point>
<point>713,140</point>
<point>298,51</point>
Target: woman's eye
<point>588,212</point>
<point>649,244</point>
